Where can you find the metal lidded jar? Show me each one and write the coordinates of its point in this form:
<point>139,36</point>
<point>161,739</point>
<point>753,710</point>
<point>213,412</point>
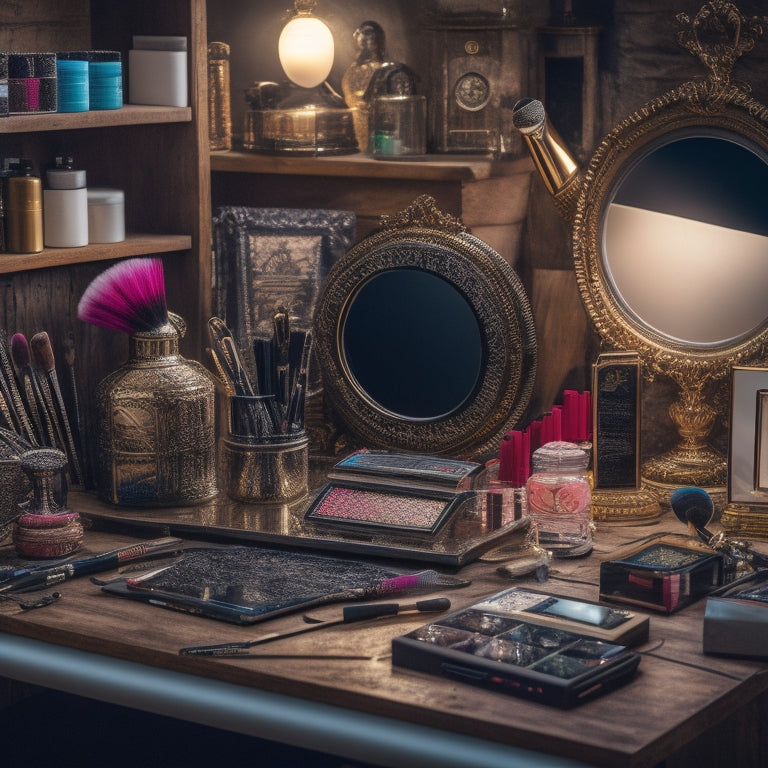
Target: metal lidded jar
<point>559,497</point>
<point>156,425</point>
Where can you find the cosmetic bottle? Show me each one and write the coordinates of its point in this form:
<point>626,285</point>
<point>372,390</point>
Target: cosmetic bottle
<point>65,206</point>
<point>559,496</point>
<point>156,425</point>
<point>219,112</point>
<point>24,211</point>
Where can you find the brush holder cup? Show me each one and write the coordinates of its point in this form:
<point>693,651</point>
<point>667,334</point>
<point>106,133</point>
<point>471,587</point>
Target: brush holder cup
<point>156,426</point>
<point>262,464</point>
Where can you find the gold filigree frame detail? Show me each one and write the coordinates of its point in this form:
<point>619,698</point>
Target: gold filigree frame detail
<point>716,104</point>
<point>500,304</point>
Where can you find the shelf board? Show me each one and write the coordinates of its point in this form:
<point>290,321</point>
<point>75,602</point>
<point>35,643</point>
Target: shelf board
<point>133,245</point>
<point>129,114</point>
<point>430,168</point>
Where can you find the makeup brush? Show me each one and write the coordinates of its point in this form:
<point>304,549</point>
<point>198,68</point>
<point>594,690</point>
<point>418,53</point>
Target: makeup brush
<point>223,344</point>
<point>11,392</point>
<point>295,416</point>
<point>69,360</point>
<point>128,296</point>
<point>695,507</point>
<point>22,361</point>
<point>282,340</point>
<point>350,614</point>
<point>42,352</point>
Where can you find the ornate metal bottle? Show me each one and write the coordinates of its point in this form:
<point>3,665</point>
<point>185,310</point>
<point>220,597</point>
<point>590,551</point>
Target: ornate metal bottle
<point>156,430</point>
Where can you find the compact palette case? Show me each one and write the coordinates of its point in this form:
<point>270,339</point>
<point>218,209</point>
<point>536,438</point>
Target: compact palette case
<point>664,572</point>
<point>394,492</point>
<point>736,618</point>
<point>554,650</point>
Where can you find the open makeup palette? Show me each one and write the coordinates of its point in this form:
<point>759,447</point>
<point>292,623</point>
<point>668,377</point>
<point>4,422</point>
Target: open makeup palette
<point>549,649</point>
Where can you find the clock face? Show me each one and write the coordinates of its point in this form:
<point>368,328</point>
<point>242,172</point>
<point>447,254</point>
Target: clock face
<point>472,91</point>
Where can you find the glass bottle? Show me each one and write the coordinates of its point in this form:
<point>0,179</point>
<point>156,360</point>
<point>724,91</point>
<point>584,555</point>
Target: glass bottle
<point>219,110</point>
<point>156,418</point>
<point>559,496</point>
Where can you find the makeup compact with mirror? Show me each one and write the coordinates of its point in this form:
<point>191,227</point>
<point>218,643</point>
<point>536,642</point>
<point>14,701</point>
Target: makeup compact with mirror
<point>669,237</point>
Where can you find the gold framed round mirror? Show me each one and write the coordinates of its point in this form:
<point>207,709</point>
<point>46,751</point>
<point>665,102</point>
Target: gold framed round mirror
<point>669,246</point>
<point>425,338</point>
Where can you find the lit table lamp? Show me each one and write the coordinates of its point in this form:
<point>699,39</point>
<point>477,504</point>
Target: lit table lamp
<point>303,116</point>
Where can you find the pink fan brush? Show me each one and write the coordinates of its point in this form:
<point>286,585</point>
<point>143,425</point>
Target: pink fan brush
<point>128,297</point>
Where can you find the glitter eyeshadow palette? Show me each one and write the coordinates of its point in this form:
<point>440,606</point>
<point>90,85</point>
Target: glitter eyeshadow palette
<point>664,573</point>
<point>410,494</point>
<point>384,508</point>
<point>541,647</point>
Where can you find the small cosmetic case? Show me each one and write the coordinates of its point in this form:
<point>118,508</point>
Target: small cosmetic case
<point>557,651</point>
<point>664,572</point>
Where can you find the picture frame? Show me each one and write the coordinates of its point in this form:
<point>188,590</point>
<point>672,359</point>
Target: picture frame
<point>748,443</point>
<point>266,257</point>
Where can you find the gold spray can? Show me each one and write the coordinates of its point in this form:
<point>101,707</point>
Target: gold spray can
<point>24,213</point>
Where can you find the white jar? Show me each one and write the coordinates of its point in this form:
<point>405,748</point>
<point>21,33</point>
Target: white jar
<point>106,215</point>
<point>65,208</point>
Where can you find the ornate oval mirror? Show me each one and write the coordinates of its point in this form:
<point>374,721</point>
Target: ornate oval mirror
<point>426,339</point>
<point>670,238</point>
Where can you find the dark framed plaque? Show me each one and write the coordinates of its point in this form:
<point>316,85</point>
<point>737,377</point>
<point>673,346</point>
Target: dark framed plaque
<point>616,428</point>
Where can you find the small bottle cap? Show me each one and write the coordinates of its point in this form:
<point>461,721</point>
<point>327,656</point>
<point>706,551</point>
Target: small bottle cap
<point>105,196</point>
<point>65,178</point>
<point>559,455</point>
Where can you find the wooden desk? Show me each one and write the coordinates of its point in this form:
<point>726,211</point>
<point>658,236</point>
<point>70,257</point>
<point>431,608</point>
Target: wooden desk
<point>682,708</point>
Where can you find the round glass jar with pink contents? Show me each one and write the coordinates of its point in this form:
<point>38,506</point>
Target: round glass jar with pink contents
<point>559,497</point>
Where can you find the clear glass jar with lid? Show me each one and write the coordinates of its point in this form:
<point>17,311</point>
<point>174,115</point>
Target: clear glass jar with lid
<point>559,497</point>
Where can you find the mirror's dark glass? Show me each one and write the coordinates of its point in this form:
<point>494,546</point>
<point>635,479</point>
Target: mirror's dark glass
<point>412,343</point>
<point>686,239</point>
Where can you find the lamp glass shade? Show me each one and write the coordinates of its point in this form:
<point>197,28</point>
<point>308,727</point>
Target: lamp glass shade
<point>306,51</point>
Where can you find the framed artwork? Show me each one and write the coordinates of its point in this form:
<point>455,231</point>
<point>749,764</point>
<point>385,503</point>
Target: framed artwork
<point>264,258</point>
<point>748,450</point>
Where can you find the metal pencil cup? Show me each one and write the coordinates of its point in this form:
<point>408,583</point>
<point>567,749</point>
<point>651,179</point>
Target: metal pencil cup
<point>263,465</point>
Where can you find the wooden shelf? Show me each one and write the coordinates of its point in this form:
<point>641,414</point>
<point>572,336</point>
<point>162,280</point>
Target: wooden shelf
<point>129,114</point>
<point>432,168</point>
<point>133,245</point>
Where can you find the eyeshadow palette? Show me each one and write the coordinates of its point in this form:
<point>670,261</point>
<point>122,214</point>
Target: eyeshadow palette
<point>384,508</point>
<point>540,647</point>
<point>664,573</point>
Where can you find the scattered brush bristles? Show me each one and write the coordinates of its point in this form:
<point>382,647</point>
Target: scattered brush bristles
<point>128,297</point>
